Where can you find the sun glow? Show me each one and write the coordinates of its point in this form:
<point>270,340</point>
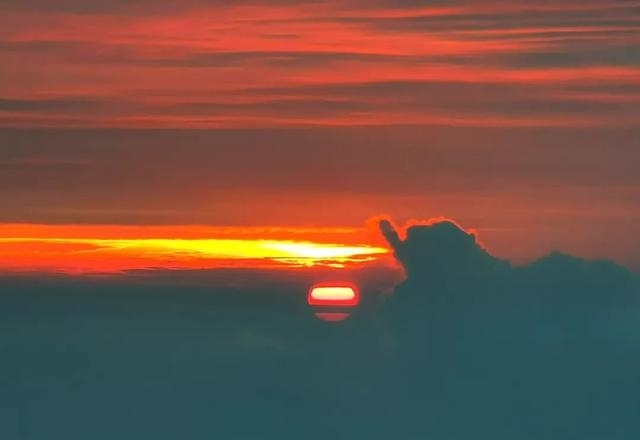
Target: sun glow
<point>20,249</point>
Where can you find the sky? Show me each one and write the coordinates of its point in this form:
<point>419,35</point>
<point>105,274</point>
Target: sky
<point>520,120</point>
<point>177,176</point>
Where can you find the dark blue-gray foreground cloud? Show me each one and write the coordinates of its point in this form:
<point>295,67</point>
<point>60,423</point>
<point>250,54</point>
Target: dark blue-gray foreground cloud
<point>467,346</point>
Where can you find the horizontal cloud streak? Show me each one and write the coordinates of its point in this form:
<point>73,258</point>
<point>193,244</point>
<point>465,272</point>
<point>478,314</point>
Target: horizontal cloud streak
<point>140,64</point>
<point>110,249</point>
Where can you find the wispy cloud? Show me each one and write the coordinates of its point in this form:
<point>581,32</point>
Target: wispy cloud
<point>264,64</point>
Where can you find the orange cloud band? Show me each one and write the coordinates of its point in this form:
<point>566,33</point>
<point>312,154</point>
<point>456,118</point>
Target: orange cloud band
<point>73,254</point>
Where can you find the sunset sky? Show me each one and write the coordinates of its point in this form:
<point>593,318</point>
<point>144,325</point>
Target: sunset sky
<point>225,127</point>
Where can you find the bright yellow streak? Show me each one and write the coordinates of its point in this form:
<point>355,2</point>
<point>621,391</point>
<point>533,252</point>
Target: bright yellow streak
<point>121,254</point>
<point>321,251</point>
<point>218,248</point>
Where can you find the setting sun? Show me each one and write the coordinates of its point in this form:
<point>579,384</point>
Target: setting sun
<point>333,296</point>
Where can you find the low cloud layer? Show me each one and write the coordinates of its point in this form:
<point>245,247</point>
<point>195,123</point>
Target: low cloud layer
<point>547,350</point>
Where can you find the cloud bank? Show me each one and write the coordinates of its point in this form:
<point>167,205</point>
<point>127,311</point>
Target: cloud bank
<point>466,346</point>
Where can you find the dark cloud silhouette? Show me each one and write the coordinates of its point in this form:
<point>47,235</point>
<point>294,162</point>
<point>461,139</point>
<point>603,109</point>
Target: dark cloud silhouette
<point>515,352</point>
<point>446,264</point>
<point>441,249</point>
<point>450,253</point>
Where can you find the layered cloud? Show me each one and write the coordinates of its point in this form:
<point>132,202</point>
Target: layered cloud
<point>214,64</point>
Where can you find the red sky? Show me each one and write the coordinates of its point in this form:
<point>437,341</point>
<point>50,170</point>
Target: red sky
<point>519,119</point>
<point>172,63</point>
